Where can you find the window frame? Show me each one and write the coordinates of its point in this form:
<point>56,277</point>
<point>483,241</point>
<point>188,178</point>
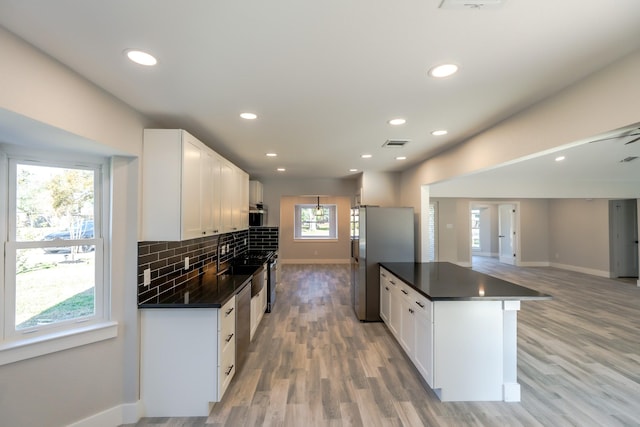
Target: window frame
<point>30,342</point>
<point>333,221</point>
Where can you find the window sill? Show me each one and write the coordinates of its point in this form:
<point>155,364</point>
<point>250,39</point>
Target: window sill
<point>315,240</point>
<point>14,351</point>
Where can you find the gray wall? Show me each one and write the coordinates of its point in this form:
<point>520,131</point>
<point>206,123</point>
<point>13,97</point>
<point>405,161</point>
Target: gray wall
<point>579,234</point>
<point>67,386</point>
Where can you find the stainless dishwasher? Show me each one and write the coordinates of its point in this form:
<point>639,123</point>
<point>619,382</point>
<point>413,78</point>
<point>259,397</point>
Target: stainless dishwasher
<point>243,324</point>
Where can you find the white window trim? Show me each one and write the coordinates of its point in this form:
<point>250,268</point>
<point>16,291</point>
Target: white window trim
<point>297,233</point>
<point>52,340</point>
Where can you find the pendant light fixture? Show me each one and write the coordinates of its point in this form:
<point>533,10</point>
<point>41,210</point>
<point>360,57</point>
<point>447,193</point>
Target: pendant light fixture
<point>319,210</point>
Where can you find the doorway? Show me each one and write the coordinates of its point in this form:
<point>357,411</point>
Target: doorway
<point>495,219</point>
<point>623,240</point>
<point>507,239</point>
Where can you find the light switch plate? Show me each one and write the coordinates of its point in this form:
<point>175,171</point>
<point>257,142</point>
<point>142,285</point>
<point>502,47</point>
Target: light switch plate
<point>186,263</point>
<point>147,277</point>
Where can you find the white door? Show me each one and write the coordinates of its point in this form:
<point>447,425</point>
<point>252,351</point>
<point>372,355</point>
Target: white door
<point>507,236</point>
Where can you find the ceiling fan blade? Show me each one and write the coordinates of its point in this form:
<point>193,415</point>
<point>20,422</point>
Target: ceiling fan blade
<point>633,140</point>
<point>618,137</point>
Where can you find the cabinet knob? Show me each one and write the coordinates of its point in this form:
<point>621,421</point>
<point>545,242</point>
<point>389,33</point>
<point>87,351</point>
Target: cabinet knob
<point>411,310</point>
<point>228,371</point>
<point>420,304</point>
<point>386,287</point>
<point>229,338</point>
<point>404,292</point>
<point>229,311</point>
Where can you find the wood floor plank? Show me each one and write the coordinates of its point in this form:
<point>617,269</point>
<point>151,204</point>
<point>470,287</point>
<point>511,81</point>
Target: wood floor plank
<point>311,363</point>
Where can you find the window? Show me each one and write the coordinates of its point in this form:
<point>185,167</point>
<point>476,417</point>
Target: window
<point>312,225</point>
<point>475,229</point>
<point>53,260</point>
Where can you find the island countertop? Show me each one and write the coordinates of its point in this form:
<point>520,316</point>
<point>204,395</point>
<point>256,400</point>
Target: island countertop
<point>444,281</point>
<point>207,290</point>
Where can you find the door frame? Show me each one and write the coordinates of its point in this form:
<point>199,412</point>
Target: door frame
<point>517,244</point>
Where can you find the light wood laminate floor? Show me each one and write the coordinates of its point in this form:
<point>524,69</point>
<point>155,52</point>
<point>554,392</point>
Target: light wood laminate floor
<point>313,364</point>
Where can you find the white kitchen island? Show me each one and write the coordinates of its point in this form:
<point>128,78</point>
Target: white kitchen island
<point>458,327</point>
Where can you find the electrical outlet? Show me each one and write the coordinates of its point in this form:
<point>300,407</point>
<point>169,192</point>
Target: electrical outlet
<point>227,248</point>
<point>147,277</point>
<point>186,263</point>
<point>222,250</point>
<point>245,241</point>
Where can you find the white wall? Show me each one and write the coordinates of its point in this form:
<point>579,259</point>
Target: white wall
<point>380,189</point>
<point>604,101</point>
<point>275,188</point>
<point>38,98</point>
<point>314,252</point>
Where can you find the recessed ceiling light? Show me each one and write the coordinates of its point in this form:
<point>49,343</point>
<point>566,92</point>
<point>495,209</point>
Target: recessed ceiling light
<point>272,155</point>
<point>140,57</point>
<point>281,169</point>
<point>248,116</point>
<point>366,156</point>
<point>560,158</point>
<point>396,122</point>
<point>439,132</point>
<point>444,70</point>
<point>353,170</point>
<point>401,158</point>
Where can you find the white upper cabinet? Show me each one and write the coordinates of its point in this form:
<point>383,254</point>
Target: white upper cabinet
<point>255,193</point>
<point>188,190</point>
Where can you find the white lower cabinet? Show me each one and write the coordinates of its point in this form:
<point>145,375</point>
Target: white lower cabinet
<point>424,338</point>
<point>395,306</point>
<point>258,307</point>
<point>411,321</point>
<point>187,359</point>
<point>385,292</point>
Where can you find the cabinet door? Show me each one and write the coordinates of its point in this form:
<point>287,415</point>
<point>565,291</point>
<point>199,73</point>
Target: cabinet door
<point>244,200</point>
<point>191,188</point>
<point>424,340</point>
<point>227,197</point>
<point>206,199</point>
<point>216,197</point>
<point>384,298</point>
<point>407,325</point>
<point>395,308</point>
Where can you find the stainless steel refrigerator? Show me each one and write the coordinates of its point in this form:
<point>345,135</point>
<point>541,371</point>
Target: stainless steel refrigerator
<point>383,234</point>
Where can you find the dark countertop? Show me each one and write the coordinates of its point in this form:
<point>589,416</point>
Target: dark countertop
<point>444,281</point>
<point>208,290</point>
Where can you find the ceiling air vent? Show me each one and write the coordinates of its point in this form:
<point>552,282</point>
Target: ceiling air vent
<point>471,4</point>
<point>628,159</point>
<point>395,143</point>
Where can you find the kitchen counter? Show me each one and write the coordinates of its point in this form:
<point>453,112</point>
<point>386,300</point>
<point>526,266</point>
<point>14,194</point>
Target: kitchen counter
<point>208,290</point>
<point>444,281</point>
<point>458,327</point>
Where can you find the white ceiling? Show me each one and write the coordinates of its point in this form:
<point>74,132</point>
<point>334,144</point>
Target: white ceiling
<point>325,76</point>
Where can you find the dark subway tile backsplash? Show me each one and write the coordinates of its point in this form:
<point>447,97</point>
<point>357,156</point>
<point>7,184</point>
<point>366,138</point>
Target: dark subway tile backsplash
<point>166,261</point>
<point>263,238</point>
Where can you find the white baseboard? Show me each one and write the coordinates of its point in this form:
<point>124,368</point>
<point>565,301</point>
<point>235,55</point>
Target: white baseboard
<point>533,264</point>
<point>463,264</point>
<point>313,261</point>
<point>127,413</point>
<point>591,271</point>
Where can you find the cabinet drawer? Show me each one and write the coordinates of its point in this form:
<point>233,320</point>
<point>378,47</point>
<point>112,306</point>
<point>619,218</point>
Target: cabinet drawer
<point>423,305</point>
<point>227,368</point>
